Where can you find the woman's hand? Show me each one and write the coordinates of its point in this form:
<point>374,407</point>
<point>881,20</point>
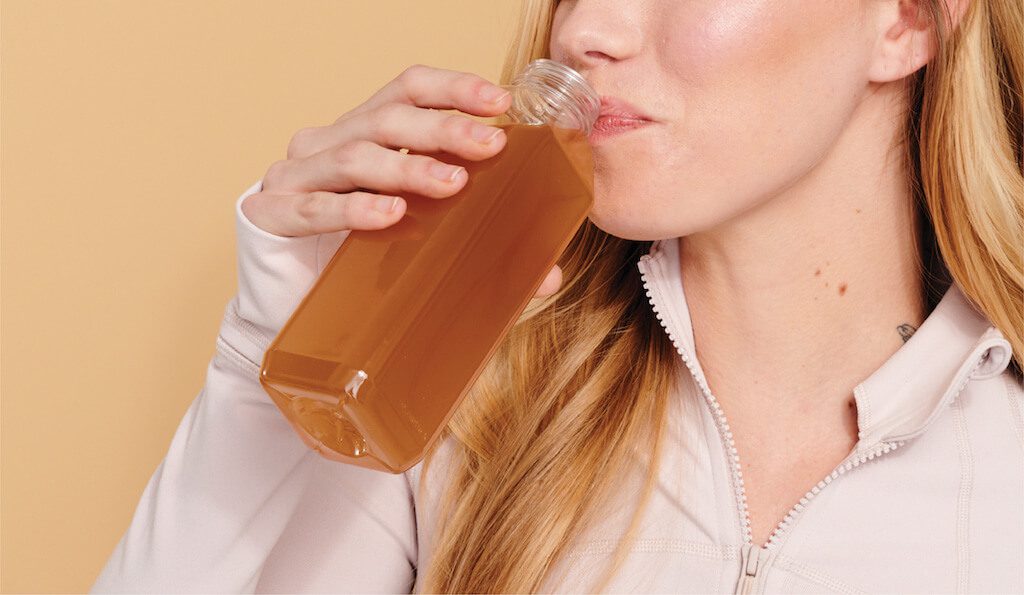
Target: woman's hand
<point>343,176</point>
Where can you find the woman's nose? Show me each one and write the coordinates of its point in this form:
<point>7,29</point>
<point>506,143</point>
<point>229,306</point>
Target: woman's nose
<point>587,33</point>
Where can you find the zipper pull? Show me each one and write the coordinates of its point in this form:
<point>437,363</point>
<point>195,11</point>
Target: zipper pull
<point>749,563</point>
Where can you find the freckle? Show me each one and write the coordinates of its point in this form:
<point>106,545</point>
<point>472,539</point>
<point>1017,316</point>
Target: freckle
<point>842,288</point>
<point>858,211</point>
<point>817,272</point>
<point>826,283</point>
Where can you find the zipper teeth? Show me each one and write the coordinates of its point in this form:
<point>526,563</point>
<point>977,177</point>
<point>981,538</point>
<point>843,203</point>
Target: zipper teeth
<point>883,448</point>
<point>734,458</point>
<point>787,521</point>
<point>723,424</point>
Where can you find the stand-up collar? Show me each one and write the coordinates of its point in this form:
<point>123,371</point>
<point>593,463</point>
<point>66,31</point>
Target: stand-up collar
<point>955,344</point>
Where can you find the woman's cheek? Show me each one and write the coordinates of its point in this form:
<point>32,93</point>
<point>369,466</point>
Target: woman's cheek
<point>751,85</point>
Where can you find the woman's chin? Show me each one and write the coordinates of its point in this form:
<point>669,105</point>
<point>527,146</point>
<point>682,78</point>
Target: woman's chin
<point>625,221</point>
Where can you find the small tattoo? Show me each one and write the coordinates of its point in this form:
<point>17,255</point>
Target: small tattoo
<point>906,331</point>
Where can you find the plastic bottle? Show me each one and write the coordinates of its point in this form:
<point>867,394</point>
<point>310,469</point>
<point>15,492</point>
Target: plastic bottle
<point>390,338</point>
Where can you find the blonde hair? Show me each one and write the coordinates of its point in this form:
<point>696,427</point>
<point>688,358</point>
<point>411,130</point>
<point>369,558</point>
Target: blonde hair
<point>967,162</point>
<point>578,391</point>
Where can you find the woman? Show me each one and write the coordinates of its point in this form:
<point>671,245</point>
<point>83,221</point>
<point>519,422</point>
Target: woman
<point>833,404</point>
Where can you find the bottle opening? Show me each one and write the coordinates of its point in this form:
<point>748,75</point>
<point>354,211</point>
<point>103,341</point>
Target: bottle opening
<point>549,92</point>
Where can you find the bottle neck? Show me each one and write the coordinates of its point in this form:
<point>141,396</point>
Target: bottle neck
<point>548,92</point>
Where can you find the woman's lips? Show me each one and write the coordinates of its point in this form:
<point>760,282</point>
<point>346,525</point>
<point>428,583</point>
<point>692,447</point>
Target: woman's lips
<point>608,126</point>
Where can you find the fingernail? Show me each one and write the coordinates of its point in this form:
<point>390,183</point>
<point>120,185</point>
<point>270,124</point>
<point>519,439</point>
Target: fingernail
<point>386,204</point>
<point>444,172</point>
<point>485,134</point>
<point>493,94</point>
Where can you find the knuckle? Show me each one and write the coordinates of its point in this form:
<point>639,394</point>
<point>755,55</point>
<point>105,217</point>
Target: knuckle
<point>388,112</point>
<point>411,75</point>
<point>298,142</point>
<point>475,83</point>
<point>250,203</point>
<point>456,125</point>
<point>381,119</point>
<point>308,207</point>
<point>346,153</point>
<point>415,70</point>
<point>412,81</point>
<point>415,172</point>
<point>349,208</point>
<point>275,173</point>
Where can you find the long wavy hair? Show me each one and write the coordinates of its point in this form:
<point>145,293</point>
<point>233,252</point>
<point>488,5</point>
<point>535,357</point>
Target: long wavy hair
<point>578,391</point>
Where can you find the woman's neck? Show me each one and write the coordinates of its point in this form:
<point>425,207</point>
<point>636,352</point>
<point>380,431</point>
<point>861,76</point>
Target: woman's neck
<point>799,299</point>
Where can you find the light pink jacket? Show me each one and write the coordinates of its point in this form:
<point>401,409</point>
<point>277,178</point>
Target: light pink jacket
<point>930,501</point>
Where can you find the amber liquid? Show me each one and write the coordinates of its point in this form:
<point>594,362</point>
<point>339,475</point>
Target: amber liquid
<point>379,353</point>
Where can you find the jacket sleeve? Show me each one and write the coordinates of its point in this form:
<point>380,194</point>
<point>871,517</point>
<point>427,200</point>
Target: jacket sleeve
<point>239,503</point>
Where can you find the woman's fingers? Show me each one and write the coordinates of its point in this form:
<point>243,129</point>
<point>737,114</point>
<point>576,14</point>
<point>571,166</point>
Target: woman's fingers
<point>421,90</point>
<point>335,177</point>
<point>398,126</point>
<point>427,86</point>
<point>363,164</point>
<point>291,215</point>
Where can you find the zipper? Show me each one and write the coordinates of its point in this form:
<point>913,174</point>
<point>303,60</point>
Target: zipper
<point>753,557</point>
<point>716,409</point>
<point>848,464</point>
<point>719,415</point>
<point>749,558</point>
<point>851,462</point>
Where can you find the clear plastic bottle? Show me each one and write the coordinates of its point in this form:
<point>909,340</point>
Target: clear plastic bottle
<point>383,348</point>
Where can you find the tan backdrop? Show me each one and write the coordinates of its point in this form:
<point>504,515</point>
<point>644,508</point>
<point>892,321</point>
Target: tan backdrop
<point>128,130</point>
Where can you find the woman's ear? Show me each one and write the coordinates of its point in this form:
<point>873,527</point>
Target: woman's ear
<point>906,35</point>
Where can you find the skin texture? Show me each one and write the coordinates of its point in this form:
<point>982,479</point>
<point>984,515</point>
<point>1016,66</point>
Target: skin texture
<point>774,160</point>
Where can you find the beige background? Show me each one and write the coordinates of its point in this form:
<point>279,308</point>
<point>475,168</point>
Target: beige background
<point>128,130</point>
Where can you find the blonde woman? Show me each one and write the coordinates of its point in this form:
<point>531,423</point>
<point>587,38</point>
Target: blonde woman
<point>783,354</point>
